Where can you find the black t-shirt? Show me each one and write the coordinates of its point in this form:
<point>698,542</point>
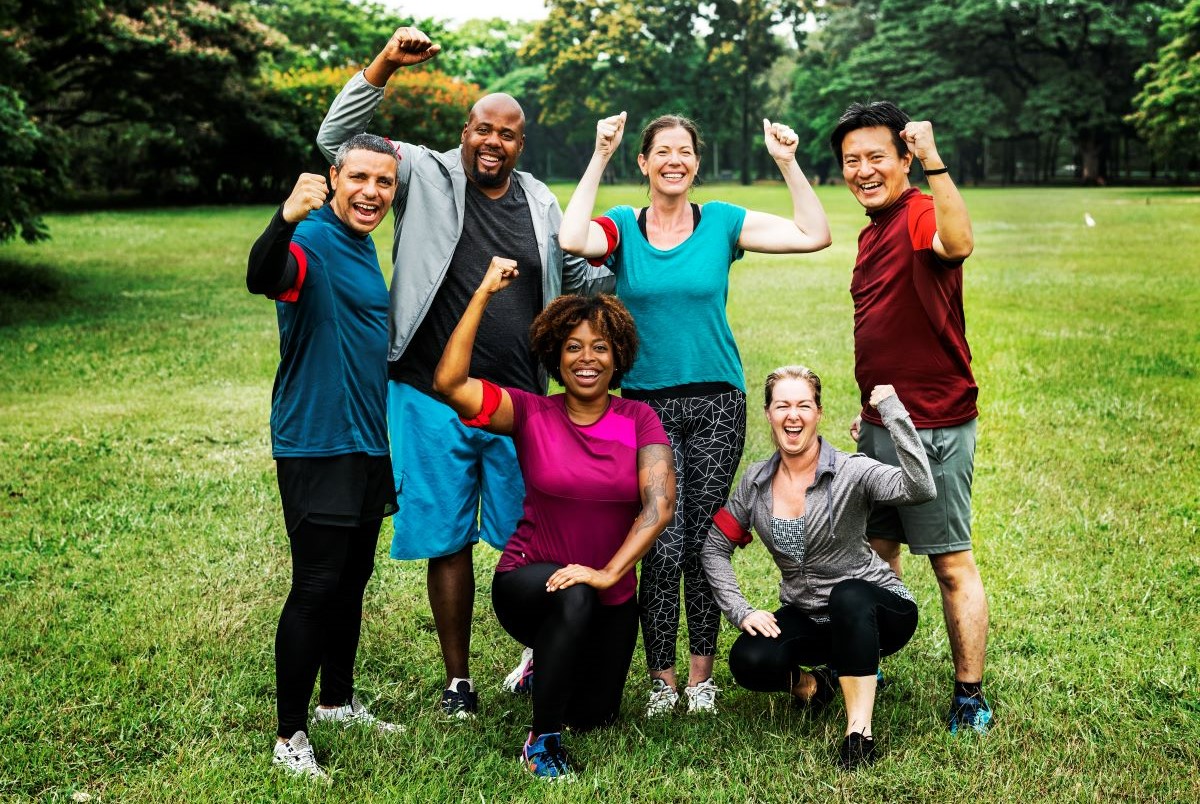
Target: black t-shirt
<point>491,228</point>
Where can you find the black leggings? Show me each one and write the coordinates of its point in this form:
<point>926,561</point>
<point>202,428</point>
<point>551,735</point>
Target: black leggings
<point>319,626</point>
<point>865,622</point>
<point>582,648</point>
<point>707,435</point>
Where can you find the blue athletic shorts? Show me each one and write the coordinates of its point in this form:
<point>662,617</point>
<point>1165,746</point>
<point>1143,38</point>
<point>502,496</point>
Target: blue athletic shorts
<point>938,526</point>
<point>453,483</point>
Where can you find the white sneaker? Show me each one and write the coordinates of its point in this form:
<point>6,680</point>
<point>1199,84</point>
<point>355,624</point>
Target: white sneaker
<point>702,697</point>
<point>297,758</point>
<point>354,714</point>
<point>520,680</point>
<point>662,699</point>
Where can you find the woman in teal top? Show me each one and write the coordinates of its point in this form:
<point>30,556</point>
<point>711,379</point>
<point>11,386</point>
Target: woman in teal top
<point>672,261</point>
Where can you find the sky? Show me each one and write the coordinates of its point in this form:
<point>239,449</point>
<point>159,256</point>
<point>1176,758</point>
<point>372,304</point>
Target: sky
<point>462,10</point>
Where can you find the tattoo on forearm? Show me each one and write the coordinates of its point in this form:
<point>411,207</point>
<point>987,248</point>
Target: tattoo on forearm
<point>658,460</point>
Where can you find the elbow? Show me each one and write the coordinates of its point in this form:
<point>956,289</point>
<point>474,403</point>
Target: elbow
<point>441,384</point>
<point>927,492</point>
<point>571,244</point>
<point>824,240</point>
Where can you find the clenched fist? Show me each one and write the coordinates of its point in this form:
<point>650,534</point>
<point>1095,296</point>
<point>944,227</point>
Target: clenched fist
<point>309,193</point>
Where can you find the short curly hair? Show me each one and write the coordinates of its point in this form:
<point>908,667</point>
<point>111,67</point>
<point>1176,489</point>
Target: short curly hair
<point>606,316</point>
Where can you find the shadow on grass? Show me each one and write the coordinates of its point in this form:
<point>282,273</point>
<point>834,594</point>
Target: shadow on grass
<point>31,292</point>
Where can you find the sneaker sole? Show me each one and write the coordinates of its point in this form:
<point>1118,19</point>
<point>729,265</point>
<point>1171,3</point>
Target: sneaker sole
<point>564,779</point>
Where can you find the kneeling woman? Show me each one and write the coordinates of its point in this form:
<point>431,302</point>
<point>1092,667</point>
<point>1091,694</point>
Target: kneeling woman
<point>843,607</point>
<point>599,489</point>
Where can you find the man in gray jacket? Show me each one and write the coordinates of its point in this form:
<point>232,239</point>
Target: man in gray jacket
<point>454,211</point>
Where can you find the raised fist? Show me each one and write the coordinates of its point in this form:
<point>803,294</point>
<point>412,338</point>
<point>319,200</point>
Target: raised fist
<point>308,194</point>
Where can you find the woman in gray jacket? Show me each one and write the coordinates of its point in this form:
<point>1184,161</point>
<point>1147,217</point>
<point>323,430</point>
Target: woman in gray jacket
<point>843,607</point>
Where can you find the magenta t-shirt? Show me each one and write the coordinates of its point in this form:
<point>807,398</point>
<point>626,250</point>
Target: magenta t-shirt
<point>581,484</point>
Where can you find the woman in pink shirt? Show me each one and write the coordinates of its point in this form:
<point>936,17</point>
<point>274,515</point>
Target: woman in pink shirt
<point>599,489</point>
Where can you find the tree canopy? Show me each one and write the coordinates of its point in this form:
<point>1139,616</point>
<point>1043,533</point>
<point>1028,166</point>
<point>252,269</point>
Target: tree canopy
<point>219,100</point>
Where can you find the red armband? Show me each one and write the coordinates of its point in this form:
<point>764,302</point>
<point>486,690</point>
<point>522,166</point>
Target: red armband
<point>731,529</point>
<point>292,294</point>
<point>491,403</point>
<point>610,232</point>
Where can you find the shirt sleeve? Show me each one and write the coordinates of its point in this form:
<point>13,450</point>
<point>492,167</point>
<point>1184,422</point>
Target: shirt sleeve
<point>922,226</point>
<point>611,234</point>
<point>910,483</point>
<point>730,526</point>
<point>276,267</point>
<point>649,427</point>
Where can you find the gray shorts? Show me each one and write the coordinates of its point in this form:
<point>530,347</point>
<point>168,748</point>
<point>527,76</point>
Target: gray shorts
<point>939,526</point>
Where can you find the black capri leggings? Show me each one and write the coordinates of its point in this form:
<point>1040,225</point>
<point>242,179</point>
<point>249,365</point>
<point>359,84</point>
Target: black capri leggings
<point>865,622</point>
<point>583,649</point>
<point>321,620</point>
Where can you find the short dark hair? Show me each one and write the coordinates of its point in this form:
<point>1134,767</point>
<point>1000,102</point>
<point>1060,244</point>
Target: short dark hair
<point>669,121</point>
<point>607,317</point>
<point>869,115</point>
<point>365,142</point>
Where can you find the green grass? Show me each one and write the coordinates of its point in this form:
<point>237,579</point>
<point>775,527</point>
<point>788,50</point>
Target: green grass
<point>143,560</point>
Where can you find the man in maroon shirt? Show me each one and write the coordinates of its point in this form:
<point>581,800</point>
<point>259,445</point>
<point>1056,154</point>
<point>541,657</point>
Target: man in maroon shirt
<point>909,331</point>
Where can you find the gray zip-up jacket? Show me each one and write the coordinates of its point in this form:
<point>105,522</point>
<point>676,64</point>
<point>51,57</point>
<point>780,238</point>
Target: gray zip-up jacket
<point>836,507</point>
<point>428,210</point>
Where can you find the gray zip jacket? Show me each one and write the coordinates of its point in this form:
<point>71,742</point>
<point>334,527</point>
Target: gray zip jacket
<point>836,507</point>
<point>428,210</point>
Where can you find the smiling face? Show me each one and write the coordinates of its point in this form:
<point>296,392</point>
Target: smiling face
<point>492,141</point>
<point>671,161</point>
<point>586,362</point>
<point>794,414</point>
<point>363,189</point>
<point>873,169</point>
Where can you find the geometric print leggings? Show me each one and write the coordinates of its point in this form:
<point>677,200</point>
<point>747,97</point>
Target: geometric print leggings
<point>707,436</point>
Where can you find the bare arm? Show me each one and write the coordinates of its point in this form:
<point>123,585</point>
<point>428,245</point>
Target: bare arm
<point>579,235</point>
<point>954,239</point>
<point>808,230</point>
<point>451,378</point>
<point>656,478</point>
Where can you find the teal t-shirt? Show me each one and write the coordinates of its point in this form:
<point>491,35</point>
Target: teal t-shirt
<point>677,298</point>
<point>330,394</point>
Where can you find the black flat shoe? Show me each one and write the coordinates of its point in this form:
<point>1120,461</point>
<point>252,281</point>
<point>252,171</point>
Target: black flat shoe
<point>856,750</point>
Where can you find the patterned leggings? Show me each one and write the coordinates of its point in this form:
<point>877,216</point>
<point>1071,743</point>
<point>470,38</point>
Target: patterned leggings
<point>707,436</point>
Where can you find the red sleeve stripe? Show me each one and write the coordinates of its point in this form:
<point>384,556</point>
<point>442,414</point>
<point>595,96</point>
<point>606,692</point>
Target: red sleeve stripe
<point>292,294</point>
<point>491,403</point>
<point>731,528</point>
<point>610,232</point>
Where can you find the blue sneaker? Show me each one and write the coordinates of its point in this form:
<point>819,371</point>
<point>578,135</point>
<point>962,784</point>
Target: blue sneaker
<point>546,759</point>
<point>970,713</point>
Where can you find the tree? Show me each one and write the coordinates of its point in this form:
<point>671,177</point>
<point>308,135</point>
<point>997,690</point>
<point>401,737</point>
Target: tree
<point>741,47</point>
<point>1167,109</point>
<point>1034,69</point>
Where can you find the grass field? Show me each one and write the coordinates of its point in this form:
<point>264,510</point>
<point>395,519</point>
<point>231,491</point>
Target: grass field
<point>143,560</point>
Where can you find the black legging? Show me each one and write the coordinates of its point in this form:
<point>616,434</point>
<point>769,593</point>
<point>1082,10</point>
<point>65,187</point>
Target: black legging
<point>320,623</point>
<point>582,648</point>
<point>865,622</point>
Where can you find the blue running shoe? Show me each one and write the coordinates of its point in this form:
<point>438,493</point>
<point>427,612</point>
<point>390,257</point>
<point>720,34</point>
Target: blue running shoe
<point>970,713</point>
<point>546,759</point>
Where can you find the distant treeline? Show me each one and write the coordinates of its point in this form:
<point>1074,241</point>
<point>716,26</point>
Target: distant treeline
<point>190,101</point>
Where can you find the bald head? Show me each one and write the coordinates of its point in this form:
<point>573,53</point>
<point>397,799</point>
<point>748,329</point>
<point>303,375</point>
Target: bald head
<point>498,103</point>
<point>492,141</point>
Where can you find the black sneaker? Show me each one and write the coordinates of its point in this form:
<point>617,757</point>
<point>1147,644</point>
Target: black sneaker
<point>856,750</point>
<point>460,703</point>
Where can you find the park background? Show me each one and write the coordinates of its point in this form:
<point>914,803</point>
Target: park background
<point>142,557</point>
